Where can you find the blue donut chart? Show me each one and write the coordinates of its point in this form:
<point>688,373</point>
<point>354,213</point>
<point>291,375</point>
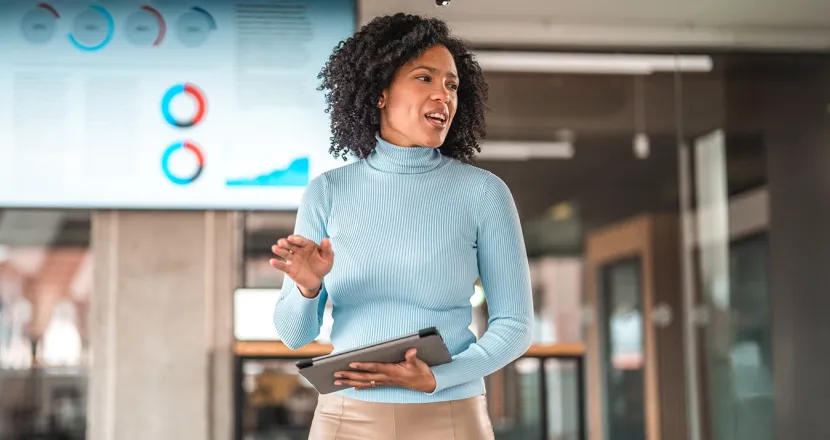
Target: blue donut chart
<point>107,37</point>
<point>38,24</point>
<point>198,155</point>
<point>194,27</point>
<point>195,93</point>
<point>207,15</point>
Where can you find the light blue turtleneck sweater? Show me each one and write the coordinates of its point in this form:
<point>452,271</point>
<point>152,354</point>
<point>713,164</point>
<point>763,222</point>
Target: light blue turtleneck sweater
<point>411,231</point>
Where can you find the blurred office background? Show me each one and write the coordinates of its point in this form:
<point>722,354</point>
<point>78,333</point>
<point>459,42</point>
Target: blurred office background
<point>668,160</point>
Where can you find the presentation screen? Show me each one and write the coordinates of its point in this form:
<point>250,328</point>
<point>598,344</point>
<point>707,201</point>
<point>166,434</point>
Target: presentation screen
<point>165,104</point>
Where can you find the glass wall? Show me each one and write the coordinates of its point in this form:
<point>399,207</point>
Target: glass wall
<point>45,285</point>
<point>724,146</point>
<point>679,149</point>
<point>278,403</point>
<point>586,150</point>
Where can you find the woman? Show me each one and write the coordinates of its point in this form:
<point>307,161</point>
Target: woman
<point>398,238</point>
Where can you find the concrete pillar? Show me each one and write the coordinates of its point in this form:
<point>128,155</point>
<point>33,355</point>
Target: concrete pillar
<point>161,325</point>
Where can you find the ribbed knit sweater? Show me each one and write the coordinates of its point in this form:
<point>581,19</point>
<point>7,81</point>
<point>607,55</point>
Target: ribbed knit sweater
<point>412,230</point>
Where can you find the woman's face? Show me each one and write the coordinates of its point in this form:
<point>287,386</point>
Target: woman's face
<point>420,103</point>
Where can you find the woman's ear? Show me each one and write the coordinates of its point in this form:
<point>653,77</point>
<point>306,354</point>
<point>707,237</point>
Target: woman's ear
<point>382,99</point>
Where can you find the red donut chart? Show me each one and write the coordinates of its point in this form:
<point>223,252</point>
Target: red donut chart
<point>197,154</point>
<point>190,90</point>
<point>162,23</point>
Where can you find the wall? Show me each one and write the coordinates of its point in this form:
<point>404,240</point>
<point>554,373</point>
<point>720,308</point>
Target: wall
<point>799,159</point>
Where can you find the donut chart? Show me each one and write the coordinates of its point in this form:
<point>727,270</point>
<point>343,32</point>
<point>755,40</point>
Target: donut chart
<point>194,27</point>
<point>145,27</point>
<point>38,24</point>
<point>50,8</point>
<point>197,154</point>
<point>192,91</point>
<point>92,29</point>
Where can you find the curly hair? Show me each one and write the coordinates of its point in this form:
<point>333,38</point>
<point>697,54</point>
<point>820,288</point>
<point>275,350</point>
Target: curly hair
<point>362,66</point>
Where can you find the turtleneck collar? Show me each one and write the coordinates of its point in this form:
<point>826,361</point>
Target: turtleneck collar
<point>392,158</point>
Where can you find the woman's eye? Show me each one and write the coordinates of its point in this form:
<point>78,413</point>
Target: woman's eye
<point>424,78</point>
<point>453,87</point>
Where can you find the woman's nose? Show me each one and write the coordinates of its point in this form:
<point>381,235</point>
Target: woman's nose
<point>441,93</point>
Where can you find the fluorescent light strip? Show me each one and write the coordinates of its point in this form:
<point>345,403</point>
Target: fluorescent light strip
<point>619,64</point>
<point>513,150</point>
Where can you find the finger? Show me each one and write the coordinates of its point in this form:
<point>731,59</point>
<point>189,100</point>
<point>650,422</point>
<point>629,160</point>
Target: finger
<point>279,265</point>
<point>282,253</point>
<point>355,383</point>
<point>361,377</point>
<point>283,243</point>
<point>372,367</point>
<point>325,245</point>
<point>300,241</point>
<point>412,356</point>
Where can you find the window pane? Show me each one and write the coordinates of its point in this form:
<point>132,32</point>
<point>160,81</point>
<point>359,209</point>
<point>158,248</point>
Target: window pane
<point>262,230</point>
<point>564,399</point>
<point>254,304</point>
<point>557,299</point>
<point>45,286</point>
<point>278,403</point>
<point>726,148</point>
<point>622,315</point>
<point>532,394</point>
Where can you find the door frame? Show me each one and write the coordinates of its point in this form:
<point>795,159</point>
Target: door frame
<point>629,239</point>
<point>654,239</point>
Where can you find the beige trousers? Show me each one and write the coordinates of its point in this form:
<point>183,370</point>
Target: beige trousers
<point>342,418</point>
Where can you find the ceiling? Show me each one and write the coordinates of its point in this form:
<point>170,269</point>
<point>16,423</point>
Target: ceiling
<point>536,106</point>
<point>729,23</point>
<point>774,13</point>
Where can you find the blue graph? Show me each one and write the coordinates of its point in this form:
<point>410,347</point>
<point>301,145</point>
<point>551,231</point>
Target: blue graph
<point>296,174</point>
<point>93,29</point>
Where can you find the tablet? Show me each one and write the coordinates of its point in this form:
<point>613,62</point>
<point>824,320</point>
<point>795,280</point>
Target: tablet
<point>320,370</point>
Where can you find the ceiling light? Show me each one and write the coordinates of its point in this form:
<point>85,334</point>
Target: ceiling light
<point>561,211</point>
<point>590,63</point>
<point>642,146</point>
<point>518,150</point>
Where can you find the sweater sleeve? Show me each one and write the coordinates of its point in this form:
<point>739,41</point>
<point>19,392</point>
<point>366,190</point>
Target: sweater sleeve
<point>505,277</point>
<point>298,319</point>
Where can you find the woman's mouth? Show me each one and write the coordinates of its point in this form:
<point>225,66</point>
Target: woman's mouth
<point>437,120</point>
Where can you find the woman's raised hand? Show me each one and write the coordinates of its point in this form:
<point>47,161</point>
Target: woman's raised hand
<point>304,261</point>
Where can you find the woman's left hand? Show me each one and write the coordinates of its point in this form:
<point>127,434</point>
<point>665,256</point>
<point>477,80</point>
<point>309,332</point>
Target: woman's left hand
<point>412,373</point>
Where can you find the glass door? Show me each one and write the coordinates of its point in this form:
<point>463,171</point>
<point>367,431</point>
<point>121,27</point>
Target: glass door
<point>621,306</point>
